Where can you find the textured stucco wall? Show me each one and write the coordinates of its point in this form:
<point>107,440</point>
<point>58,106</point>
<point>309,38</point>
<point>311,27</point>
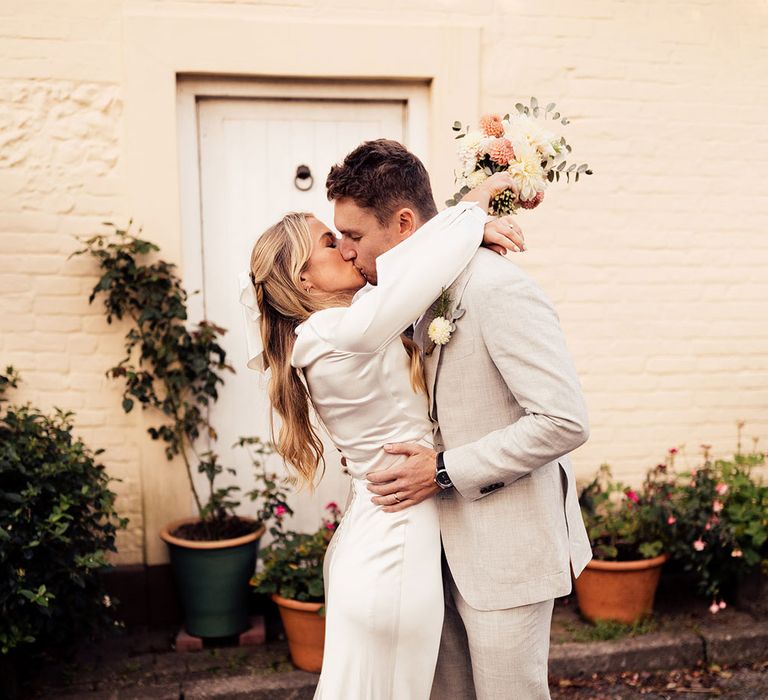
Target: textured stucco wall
<point>657,263</point>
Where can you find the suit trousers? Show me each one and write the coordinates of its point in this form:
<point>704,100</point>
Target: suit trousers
<point>492,654</point>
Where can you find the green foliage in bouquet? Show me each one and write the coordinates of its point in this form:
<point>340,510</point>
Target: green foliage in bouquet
<point>623,524</point>
<point>177,371</point>
<point>57,522</point>
<point>292,564</point>
<point>717,520</point>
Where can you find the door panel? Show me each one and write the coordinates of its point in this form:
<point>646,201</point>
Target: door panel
<point>249,152</point>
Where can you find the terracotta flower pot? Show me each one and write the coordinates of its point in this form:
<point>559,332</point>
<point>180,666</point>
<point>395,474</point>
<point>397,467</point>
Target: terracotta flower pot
<point>212,580</point>
<point>619,590</point>
<point>305,629</point>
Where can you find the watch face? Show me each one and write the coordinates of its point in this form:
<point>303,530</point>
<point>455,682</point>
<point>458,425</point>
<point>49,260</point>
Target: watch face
<point>443,479</point>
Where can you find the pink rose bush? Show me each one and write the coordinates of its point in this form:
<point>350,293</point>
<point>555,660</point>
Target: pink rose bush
<point>712,520</point>
<point>717,519</point>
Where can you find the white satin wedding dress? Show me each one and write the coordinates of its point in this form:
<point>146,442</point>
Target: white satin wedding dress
<point>384,595</point>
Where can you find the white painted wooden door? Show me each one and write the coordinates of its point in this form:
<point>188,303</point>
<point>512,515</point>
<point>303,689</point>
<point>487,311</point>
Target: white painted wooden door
<point>249,153</point>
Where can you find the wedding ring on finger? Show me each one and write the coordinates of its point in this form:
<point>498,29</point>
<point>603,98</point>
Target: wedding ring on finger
<point>397,500</point>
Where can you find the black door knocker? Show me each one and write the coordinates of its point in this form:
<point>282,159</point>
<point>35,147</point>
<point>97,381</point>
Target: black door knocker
<point>303,179</point>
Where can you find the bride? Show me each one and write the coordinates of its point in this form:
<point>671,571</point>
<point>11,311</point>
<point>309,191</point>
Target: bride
<point>384,597</point>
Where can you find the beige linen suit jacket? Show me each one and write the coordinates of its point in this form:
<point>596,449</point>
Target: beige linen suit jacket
<point>509,406</point>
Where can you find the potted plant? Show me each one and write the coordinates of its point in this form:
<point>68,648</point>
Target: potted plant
<point>624,528</point>
<point>177,371</point>
<point>717,523</point>
<point>57,524</point>
<point>292,573</point>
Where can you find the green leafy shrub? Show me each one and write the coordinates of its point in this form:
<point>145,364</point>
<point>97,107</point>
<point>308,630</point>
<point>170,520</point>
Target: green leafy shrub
<point>177,371</point>
<point>292,564</point>
<point>717,520</point>
<point>57,522</point>
<point>623,524</point>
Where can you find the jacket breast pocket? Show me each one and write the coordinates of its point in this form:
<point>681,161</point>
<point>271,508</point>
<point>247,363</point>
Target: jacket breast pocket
<point>457,349</point>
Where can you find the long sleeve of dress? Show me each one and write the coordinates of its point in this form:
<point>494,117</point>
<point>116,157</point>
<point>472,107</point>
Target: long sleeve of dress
<point>410,277</point>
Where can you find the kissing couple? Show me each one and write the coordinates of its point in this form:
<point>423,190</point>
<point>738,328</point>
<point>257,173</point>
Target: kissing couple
<point>440,372</point>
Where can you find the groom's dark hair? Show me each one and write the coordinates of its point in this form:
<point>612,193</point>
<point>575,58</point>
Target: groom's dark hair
<point>383,176</point>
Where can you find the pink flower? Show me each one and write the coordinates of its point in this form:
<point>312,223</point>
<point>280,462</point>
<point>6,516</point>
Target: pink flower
<point>708,525</point>
<point>491,125</point>
<point>721,489</point>
<point>671,520</point>
<point>673,450</point>
<point>330,526</point>
<point>737,553</point>
<point>501,151</point>
<point>714,608</point>
<point>532,203</point>
<point>717,505</point>
<point>280,510</point>
<point>699,545</point>
<point>722,605</point>
<point>332,506</point>
<point>632,496</point>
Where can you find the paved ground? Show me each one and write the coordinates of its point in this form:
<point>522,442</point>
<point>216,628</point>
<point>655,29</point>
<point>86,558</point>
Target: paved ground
<point>142,665</point>
<point>742,683</point>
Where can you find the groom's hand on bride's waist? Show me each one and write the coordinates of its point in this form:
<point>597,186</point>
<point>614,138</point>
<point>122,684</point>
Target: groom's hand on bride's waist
<point>408,482</point>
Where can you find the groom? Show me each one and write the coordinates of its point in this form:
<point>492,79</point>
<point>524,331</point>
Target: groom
<point>509,406</point>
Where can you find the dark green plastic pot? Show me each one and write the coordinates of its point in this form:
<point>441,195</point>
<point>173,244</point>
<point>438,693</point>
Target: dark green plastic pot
<point>212,581</point>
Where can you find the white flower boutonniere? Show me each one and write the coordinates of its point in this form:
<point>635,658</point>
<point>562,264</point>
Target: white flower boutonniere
<point>442,325</point>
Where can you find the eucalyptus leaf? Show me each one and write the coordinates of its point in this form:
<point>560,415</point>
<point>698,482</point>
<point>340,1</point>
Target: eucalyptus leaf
<point>549,108</point>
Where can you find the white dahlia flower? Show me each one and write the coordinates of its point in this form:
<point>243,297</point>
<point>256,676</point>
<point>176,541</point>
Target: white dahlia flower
<point>468,150</point>
<point>524,126</point>
<point>440,330</point>
<point>526,171</point>
<point>474,179</point>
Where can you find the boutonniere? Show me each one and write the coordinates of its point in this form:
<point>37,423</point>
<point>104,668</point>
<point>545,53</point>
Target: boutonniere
<point>442,325</point>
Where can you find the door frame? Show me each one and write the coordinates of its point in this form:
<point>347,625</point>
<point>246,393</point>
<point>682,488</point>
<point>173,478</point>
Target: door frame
<point>160,45</point>
<point>192,89</point>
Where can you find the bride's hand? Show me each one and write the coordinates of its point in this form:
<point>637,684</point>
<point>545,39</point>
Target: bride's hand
<point>503,234</point>
<point>488,189</point>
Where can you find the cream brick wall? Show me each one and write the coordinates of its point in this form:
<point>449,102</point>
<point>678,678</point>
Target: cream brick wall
<point>657,263</point>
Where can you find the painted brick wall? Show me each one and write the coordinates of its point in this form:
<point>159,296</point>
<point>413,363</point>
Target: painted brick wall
<point>657,263</point>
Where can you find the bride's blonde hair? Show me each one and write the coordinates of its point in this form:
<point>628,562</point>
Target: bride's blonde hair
<point>278,259</point>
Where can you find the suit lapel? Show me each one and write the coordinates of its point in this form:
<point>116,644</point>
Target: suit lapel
<point>432,362</point>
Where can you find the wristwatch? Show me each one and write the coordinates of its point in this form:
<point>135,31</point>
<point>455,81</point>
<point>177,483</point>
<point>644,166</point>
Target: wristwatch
<point>441,475</point>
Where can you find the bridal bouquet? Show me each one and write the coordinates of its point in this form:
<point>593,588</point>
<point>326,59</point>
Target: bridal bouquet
<point>522,144</point>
